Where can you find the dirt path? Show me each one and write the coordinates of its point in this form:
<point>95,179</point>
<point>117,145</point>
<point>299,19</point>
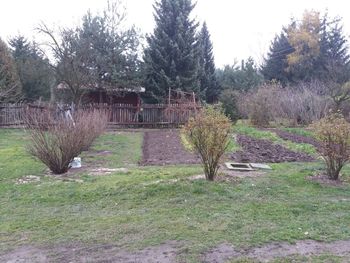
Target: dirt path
<point>163,147</point>
<point>164,253</point>
<point>272,251</point>
<point>167,252</point>
<point>258,150</point>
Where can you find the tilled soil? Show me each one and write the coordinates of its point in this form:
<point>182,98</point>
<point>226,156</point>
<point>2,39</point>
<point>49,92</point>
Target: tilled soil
<point>258,150</point>
<point>295,137</point>
<point>164,147</point>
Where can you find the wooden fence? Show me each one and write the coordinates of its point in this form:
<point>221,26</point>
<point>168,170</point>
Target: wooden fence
<point>121,115</point>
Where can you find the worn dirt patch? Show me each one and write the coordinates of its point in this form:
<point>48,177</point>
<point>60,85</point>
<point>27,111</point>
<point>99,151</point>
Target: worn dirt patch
<point>226,175</point>
<point>223,171</point>
<point>106,171</point>
<point>225,251</point>
<point>165,253</point>
<point>28,179</point>
<point>324,180</point>
<point>264,151</point>
<point>164,147</point>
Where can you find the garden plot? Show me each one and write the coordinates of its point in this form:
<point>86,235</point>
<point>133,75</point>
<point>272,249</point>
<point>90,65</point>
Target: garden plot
<point>164,147</point>
<point>260,150</point>
<point>297,138</point>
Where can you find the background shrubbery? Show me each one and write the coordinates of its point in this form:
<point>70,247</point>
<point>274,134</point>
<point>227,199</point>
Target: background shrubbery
<point>272,103</point>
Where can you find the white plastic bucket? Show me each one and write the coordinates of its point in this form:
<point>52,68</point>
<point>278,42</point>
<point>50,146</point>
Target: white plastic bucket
<point>76,163</point>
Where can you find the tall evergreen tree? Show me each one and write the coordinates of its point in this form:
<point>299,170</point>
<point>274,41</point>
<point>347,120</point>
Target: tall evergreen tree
<point>334,56</point>
<point>10,85</point>
<point>312,48</point>
<point>36,76</point>
<point>114,57</point>
<point>171,58</point>
<point>101,53</point>
<point>274,67</point>
<point>239,78</point>
<point>208,83</point>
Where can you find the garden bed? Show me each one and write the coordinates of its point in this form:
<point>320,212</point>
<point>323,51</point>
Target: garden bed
<point>164,147</point>
<point>258,150</point>
<point>297,138</point>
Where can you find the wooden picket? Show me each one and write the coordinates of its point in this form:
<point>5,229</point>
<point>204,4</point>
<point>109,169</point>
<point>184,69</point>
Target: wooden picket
<point>155,115</point>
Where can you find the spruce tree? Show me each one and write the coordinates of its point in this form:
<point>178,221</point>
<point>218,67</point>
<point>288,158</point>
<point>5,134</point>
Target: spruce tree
<point>171,58</point>
<point>275,64</point>
<point>208,84</point>
<point>34,71</point>
<point>312,48</point>
<point>10,85</point>
<point>334,56</point>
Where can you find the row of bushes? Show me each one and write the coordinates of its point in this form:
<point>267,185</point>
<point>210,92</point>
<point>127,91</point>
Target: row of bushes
<point>295,105</point>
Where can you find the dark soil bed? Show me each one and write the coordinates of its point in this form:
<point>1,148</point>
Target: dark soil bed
<point>257,150</point>
<point>295,137</point>
<point>163,147</point>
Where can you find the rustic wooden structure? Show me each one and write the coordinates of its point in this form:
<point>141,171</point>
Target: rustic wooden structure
<point>121,115</point>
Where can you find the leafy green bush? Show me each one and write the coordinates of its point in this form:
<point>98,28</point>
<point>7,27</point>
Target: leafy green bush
<point>333,132</point>
<point>229,99</point>
<point>209,132</point>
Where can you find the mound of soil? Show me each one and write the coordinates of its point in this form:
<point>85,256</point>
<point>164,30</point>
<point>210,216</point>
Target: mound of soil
<point>164,147</point>
<point>296,137</point>
<point>257,150</point>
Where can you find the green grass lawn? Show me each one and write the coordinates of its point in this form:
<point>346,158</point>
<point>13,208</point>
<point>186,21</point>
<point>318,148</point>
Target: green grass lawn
<point>123,150</point>
<point>151,205</point>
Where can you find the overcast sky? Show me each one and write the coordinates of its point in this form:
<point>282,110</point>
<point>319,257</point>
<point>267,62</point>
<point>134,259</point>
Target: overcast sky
<point>238,29</point>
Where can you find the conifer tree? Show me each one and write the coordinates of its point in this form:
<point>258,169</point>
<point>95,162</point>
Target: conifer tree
<point>36,76</point>
<point>10,85</point>
<point>312,48</point>
<point>208,84</point>
<point>171,58</point>
<point>275,64</point>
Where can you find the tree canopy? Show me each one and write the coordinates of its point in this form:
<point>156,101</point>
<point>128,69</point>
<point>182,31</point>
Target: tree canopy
<point>171,59</point>
<point>208,83</point>
<point>313,48</point>
<point>99,54</point>
<point>35,74</point>
<point>10,84</point>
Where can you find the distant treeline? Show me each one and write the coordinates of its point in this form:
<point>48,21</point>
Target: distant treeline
<point>103,53</point>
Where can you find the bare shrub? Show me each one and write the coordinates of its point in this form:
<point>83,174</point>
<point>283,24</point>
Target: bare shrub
<point>333,132</point>
<point>300,104</point>
<point>57,141</point>
<point>208,132</point>
<point>258,105</point>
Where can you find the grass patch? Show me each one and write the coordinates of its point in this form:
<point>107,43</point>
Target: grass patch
<point>121,149</point>
<point>300,131</point>
<point>151,205</point>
